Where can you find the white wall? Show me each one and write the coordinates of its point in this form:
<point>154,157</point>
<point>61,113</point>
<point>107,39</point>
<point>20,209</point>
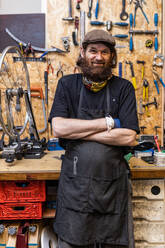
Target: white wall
<point>22,6</point>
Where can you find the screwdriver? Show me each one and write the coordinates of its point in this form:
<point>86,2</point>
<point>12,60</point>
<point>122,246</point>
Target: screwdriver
<point>156,36</point>
<point>90,8</point>
<point>131,38</point>
<point>97,9</point>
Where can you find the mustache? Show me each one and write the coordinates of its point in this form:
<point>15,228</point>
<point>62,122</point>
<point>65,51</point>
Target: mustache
<point>98,62</point>
<point>92,73</point>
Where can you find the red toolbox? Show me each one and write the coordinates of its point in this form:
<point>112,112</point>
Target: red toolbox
<point>22,191</point>
<point>15,211</point>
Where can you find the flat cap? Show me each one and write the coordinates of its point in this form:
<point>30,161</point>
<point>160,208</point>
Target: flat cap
<point>98,35</point>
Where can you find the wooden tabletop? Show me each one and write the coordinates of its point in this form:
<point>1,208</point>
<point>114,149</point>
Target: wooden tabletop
<point>49,166</point>
<point>46,168</point>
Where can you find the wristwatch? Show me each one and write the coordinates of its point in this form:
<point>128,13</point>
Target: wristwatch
<point>109,122</point>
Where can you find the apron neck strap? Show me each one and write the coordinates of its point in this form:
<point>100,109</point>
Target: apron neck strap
<point>108,99</point>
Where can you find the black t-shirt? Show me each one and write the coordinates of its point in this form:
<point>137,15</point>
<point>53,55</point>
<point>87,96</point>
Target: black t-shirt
<point>122,100</point>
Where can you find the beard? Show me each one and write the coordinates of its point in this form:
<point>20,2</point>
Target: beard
<point>94,73</point>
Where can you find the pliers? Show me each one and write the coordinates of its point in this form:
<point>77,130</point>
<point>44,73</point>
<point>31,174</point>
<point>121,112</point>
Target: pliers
<point>138,5</point>
<point>145,93</point>
<point>157,79</point>
<point>49,67</point>
<point>60,70</point>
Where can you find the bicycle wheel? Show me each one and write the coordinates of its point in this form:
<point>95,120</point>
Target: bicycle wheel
<point>14,79</point>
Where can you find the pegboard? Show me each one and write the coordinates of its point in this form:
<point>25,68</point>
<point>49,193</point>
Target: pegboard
<point>111,10</point>
<point>56,29</point>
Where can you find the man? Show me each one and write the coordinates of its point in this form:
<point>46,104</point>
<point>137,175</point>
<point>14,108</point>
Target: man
<point>94,115</point>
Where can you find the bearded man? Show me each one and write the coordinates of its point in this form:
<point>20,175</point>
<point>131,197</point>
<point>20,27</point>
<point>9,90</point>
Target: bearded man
<point>94,116</point>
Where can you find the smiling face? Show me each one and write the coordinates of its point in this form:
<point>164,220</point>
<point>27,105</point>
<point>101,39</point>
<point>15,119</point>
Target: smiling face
<point>97,55</point>
<point>97,61</point>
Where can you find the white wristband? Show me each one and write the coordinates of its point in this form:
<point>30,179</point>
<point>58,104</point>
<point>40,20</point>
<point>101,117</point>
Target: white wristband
<point>109,122</point>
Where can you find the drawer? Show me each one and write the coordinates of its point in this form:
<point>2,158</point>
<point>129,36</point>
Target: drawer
<point>148,210</point>
<point>149,189</point>
<point>149,232</point>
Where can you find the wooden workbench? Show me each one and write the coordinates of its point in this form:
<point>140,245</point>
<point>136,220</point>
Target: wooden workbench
<point>49,166</point>
<point>46,168</point>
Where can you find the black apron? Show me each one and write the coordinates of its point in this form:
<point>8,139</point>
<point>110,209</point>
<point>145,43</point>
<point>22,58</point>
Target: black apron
<point>92,203</point>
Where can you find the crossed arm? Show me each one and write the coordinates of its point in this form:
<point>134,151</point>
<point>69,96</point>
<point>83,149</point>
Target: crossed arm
<point>92,130</point>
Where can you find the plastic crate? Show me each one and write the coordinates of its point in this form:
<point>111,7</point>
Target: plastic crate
<point>22,191</point>
<point>15,211</point>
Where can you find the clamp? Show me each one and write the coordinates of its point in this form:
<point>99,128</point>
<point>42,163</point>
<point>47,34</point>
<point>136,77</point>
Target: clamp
<point>60,70</point>
<point>157,79</point>
<point>139,5</point>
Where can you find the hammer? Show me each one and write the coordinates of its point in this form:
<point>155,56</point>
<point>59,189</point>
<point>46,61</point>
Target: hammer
<point>149,103</point>
<point>69,18</point>
<point>109,24</point>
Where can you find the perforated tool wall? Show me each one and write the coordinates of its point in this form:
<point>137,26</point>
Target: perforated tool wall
<point>150,108</point>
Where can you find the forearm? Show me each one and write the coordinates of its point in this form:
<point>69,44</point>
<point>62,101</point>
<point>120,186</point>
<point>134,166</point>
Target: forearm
<point>76,128</point>
<point>117,137</point>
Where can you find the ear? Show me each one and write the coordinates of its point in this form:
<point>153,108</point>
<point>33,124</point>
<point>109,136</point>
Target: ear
<point>82,52</point>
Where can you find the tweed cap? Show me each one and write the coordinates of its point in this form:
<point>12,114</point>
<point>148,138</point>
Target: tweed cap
<point>98,35</point>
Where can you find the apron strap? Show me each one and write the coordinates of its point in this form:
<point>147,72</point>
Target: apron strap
<point>108,96</point>
<point>80,100</point>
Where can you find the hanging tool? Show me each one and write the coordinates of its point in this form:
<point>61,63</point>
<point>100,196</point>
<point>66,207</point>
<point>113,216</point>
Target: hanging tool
<point>89,14</point>
<point>151,103</point>
<point>29,50</point>
<point>145,93</point>
<point>21,47</point>
<point>139,5</point>
<point>46,73</point>
<point>156,61</point>
<point>131,35</point>
<point>141,62</point>
<point>142,129</point>
<point>49,67</point>
<point>157,144</point>
<point>156,130</point>
<point>82,26</point>
<point>109,24</point>
<point>157,79</point>
<point>60,70</point>
<point>78,4</point>
<point>120,36</point>
<point>66,43</point>
<point>133,74</point>
<point>145,90</point>
<point>97,9</point>
<point>69,18</point>
<point>140,108</point>
<point>149,43</point>
<point>120,69</point>
<point>156,34</point>
<point>45,53</point>
<point>124,14</point>
<point>75,33</point>
<point>38,93</point>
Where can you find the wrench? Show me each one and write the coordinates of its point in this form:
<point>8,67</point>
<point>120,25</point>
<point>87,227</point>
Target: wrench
<point>124,14</point>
